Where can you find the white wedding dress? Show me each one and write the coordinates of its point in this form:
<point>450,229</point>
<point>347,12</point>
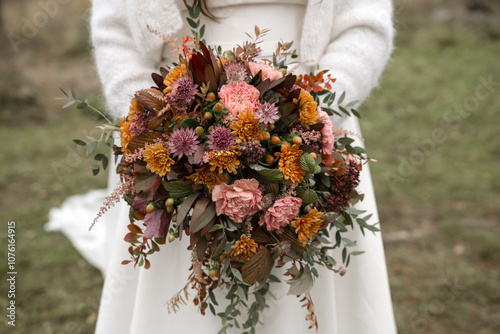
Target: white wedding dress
<point>134,299</point>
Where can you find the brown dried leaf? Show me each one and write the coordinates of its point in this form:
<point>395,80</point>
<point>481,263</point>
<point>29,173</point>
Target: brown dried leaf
<point>257,267</point>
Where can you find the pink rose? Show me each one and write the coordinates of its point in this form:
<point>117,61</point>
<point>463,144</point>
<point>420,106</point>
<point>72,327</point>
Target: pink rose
<point>267,71</point>
<point>239,96</point>
<point>327,137</point>
<point>281,213</point>
<point>239,200</point>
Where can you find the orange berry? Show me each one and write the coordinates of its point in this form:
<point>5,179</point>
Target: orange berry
<point>276,140</point>
<point>214,272</point>
<point>266,136</point>
<point>210,96</point>
<point>219,107</point>
<point>208,116</point>
<point>297,140</point>
<point>271,127</point>
<point>169,202</point>
<point>150,208</point>
<point>199,130</point>
<point>313,155</point>
<point>270,159</point>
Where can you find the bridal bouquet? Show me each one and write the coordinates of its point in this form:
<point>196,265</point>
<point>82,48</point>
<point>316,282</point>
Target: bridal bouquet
<point>240,156</point>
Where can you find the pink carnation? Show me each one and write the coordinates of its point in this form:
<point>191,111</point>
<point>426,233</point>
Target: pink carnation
<point>267,71</point>
<point>239,200</point>
<point>239,97</point>
<point>281,213</point>
<point>327,137</point>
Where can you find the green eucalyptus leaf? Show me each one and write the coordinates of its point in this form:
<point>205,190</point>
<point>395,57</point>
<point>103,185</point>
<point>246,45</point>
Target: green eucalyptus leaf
<point>307,163</point>
<point>70,103</point>
<point>342,97</point>
<point>310,196</point>
<point>73,93</point>
<point>91,148</point>
<point>81,105</point>
<point>178,189</point>
<point>345,141</point>
<point>355,113</point>
<point>189,123</point>
<point>272,175</point>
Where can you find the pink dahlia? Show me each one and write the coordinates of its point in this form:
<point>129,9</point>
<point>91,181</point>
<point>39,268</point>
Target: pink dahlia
<point>239,97</point>
<point>221,139</point>
<point>239,200</point>
<point>281,213</point>
<point>235,71</point>
<point>267,113</point>
<point>267,71</point>
<point>182,142</point>
<point>327,137</point>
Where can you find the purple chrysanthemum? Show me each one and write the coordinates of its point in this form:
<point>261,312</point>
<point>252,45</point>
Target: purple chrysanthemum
<point>235,71</point>
<point>182,142</point>
<point>184,89</point>
<point>267,113</point>
<point>221,139</point>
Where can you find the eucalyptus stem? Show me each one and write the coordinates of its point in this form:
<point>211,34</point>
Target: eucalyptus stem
<point>97,111</point>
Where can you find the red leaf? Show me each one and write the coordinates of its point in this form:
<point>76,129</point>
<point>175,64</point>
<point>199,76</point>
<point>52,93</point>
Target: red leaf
<point>156,223</point>
<point>140,202</point>
<point>134,229</point>
<point>129,237</point>
<point>126,262</point>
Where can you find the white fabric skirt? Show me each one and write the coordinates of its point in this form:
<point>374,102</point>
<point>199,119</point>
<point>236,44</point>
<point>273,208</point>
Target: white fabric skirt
<point>134,299</point>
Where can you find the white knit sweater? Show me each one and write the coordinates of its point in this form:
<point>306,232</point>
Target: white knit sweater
<point>353,37</point>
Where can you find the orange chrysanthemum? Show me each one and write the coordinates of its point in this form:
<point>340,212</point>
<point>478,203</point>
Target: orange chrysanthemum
<point>157,159</point>
<point>244,248</point>
<point>246,128</point>
<point>208,178</point>
<point>125,135</point>
<point>179,118</point>
<point>308,111</point>
<point>134,109</point>
<point>306,227</point>
<point>227,160</point>
<point>289,163</point>
<point>174,74</point>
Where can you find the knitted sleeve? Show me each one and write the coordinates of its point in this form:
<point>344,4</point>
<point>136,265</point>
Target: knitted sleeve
<point>361,42</point>
<point>122,67</point>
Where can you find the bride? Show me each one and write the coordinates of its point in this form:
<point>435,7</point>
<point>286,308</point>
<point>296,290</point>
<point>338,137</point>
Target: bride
<point>352,38</point>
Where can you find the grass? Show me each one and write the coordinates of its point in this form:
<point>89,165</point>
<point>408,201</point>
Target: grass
<point>439,218</point>
<point>449,188</point>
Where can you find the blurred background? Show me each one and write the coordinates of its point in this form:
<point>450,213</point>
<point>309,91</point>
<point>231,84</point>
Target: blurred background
<point>433,125</point>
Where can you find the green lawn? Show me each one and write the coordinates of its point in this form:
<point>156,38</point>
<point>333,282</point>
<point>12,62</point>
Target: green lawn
<point>433,126</point>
